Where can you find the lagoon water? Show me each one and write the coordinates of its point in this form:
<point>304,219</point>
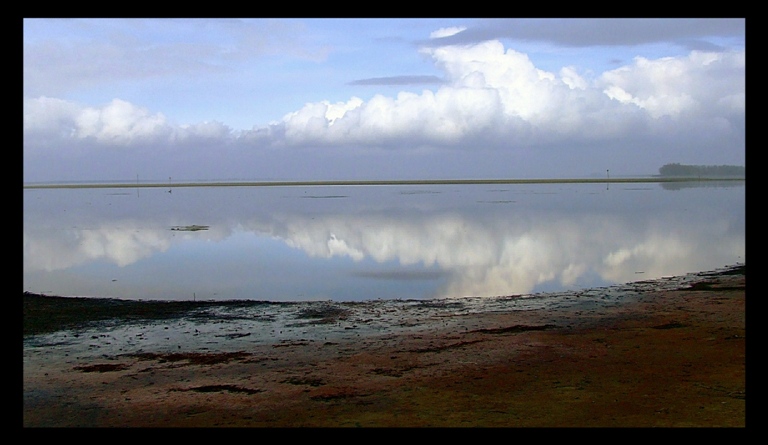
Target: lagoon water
<point>371,242</point>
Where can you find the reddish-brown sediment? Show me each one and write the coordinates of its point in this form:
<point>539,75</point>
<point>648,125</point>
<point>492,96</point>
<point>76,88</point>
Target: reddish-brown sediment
<point>671,358</point>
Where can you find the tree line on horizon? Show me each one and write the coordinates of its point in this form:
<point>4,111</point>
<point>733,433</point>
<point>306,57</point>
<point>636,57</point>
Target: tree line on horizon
<point>709,171</point>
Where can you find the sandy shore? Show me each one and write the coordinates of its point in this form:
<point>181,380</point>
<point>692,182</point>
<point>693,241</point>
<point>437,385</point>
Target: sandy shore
<point>663,353</point>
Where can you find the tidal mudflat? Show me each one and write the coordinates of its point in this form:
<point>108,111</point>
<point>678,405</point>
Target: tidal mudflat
<point>667,352</point>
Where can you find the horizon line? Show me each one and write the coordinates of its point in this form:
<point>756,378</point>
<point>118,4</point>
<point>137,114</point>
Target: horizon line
<point>352,182</point>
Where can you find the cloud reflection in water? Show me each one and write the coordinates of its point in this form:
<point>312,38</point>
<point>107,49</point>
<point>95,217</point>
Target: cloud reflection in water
<point>373,242</point>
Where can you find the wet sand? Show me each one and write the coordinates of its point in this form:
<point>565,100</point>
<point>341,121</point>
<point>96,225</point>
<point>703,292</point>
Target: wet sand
<point>667,353</point>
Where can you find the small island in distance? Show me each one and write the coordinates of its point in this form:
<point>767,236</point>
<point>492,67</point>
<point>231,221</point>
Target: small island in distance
<point>707,171</point>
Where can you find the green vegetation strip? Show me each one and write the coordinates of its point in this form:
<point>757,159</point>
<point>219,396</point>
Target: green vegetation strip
<point>383,182</point>
<point>44,314</point>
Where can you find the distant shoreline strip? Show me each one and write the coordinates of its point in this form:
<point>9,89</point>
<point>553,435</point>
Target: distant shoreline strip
<point>375,182</point>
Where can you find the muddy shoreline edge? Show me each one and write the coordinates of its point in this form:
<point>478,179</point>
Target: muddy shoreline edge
<point>671,357</point>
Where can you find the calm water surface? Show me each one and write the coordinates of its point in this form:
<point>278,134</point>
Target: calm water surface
<point>353,243</point>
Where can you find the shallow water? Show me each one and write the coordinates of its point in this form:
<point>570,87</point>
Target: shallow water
<point>360,243</point>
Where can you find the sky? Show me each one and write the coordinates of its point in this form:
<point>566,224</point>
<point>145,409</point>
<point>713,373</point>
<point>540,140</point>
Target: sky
<point>356,99</point>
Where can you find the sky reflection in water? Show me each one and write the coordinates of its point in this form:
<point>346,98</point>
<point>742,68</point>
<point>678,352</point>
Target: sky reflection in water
<point>350,243</point>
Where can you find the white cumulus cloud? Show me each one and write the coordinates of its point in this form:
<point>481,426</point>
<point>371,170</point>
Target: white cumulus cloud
<point>673,86</point>
<point>499,93</point>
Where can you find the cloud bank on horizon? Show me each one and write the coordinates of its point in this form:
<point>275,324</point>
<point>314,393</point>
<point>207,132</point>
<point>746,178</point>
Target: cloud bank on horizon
<point>378,99</point>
